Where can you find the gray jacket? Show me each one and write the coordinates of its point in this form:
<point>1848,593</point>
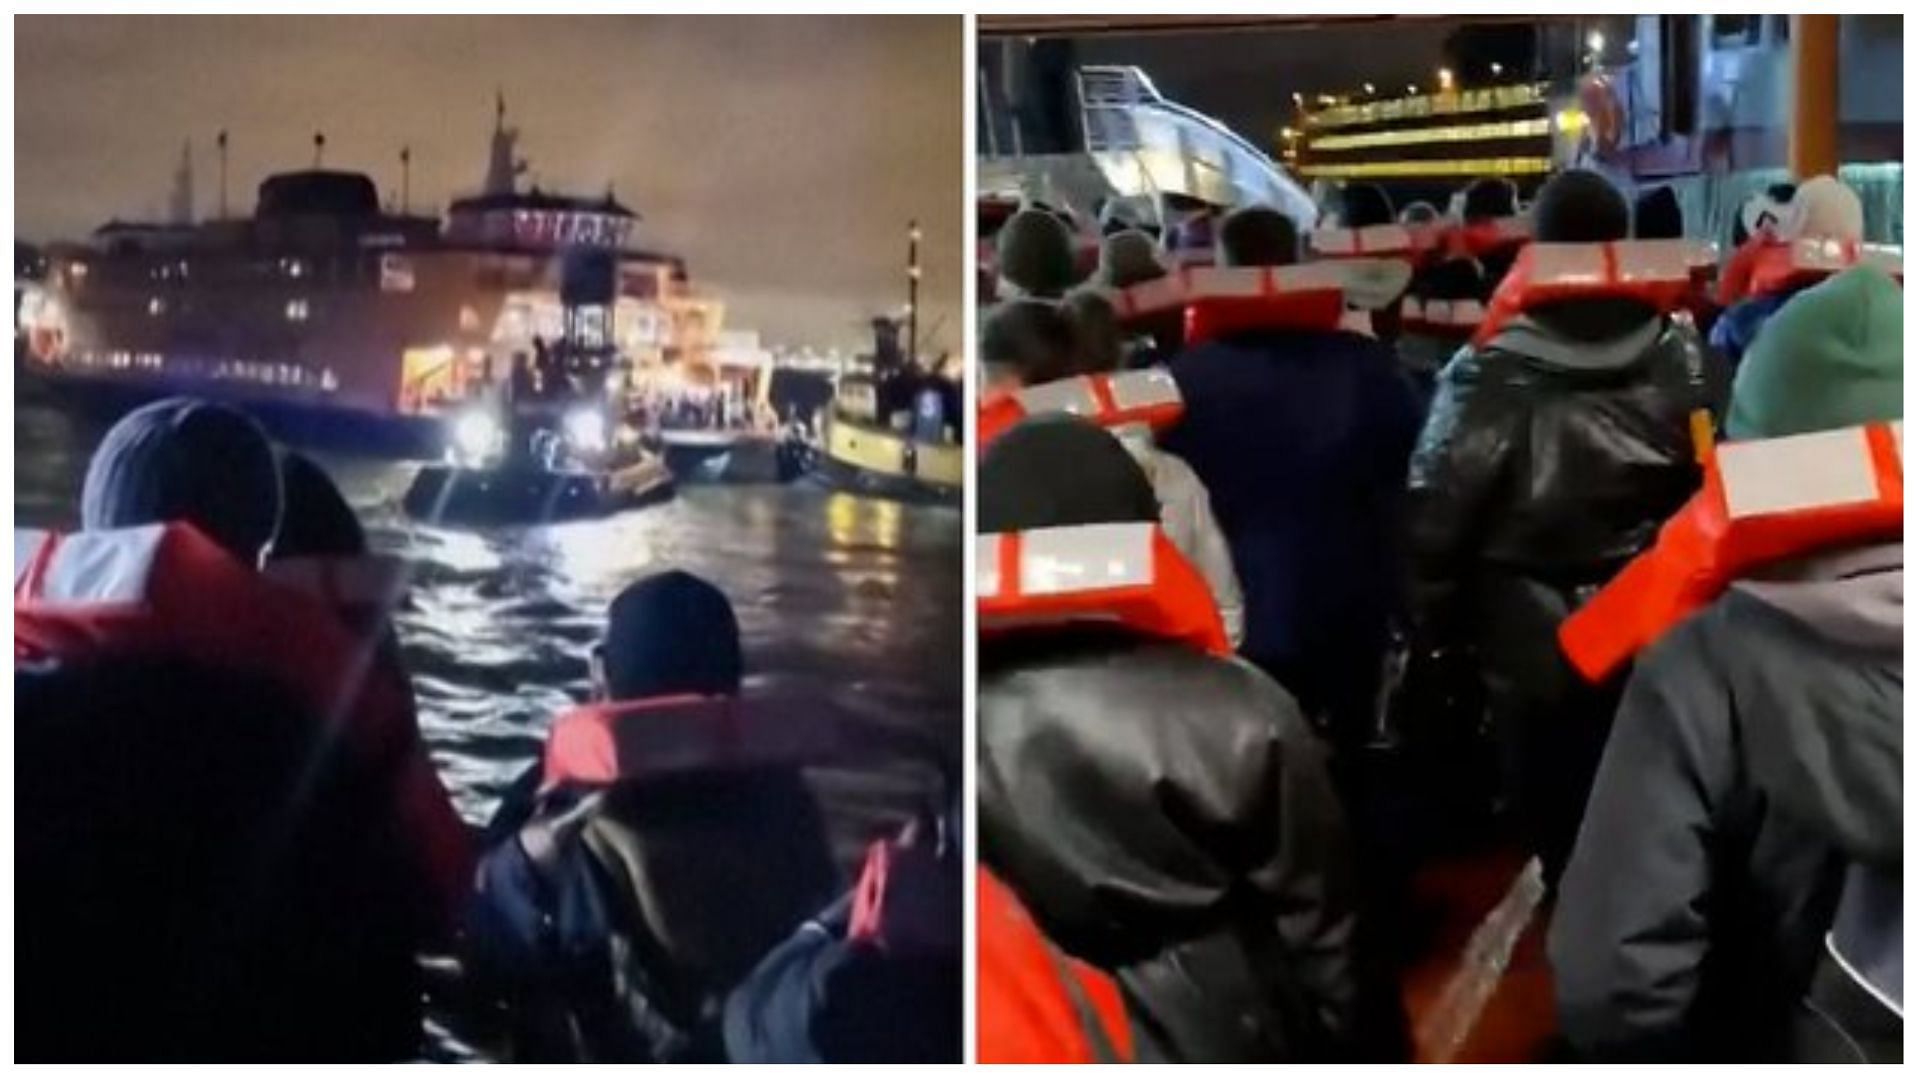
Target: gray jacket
<point>1755,757</point>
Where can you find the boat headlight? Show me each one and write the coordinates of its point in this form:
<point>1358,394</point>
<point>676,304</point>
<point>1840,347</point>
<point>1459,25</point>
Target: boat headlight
<point>587,431</point>
<point>476,435</point>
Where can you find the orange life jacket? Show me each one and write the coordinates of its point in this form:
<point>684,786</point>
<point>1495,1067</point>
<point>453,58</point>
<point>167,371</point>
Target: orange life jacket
<point>604,742</point>
<point>1795,263</point>
<point>1230,300</point>
<point>168,590</point>
<point>1148,396</point>
<point>1120,572</point>
<point>1658,272</point>
<point>1441,318</point>
<point>1762,501</point>
<point>1488,236</point>
<point>1035,1004</point>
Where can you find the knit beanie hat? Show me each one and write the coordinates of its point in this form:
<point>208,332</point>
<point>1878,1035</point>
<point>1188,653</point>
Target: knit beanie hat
<point>1035,252</point>
<point>182,459</point>
<point>1579,207</point>
<point>1829,358</point>
<point>1060,470</point>
<point>671,633</point>
<point>1128,258</point>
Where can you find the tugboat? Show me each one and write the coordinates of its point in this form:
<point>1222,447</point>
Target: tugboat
<point>552,443</point>
<point>894,433</point>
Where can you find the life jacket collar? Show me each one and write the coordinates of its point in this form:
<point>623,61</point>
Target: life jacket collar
<point>602,743</point>
<point>1763,501</point>
<point>1791,264</point>
<point>1656,272</point>
<point>1148,396</point>
<point>1126,573</point>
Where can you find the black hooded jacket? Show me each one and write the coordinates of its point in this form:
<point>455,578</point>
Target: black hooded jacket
<point>1167,816</point>
<point>1756,756</point>
<point>1550,457</point>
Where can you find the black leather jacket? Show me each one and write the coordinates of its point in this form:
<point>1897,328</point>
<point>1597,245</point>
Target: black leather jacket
<point>1551,456</point>
<point>1167,816</point>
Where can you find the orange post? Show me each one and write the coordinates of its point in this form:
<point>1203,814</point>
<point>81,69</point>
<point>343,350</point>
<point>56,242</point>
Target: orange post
<point>1813,134</point>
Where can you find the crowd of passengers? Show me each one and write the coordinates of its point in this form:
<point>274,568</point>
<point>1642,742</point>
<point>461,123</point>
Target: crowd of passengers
<point>1200,835</point>
<point>239,849</point>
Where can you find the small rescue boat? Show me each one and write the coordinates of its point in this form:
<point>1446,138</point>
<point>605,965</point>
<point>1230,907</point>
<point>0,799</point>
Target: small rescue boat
<point>565,475</point>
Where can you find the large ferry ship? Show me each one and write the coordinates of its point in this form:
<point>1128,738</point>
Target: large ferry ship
<point>327,312</point>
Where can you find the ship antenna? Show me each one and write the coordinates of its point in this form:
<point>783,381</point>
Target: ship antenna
<point>319,147</point>
<point>406,180</point>
<point>221,142</point>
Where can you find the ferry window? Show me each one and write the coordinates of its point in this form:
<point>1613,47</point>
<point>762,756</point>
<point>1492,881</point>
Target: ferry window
<point>156,306</point>
<point>1736,31</point>
<point>297,310</point>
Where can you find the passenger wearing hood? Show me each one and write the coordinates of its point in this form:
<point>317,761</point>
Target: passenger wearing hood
<point>1301,438</point>
<point>1034,250</point>
<point>1374,284</point>
<point>1129,258</point>
<point>1549,458</point>
<point>662,846</point>
<point>1822,208</point>
<point>231,854</point>
<point>1163,814</point>
<point>1755,763</point>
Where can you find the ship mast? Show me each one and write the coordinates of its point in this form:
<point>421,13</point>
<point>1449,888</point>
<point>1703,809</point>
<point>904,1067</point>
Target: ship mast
<point>180,205</point>
<point>502,167</point>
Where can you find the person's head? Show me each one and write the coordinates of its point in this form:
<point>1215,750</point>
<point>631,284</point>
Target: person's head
<point>1035,253</point>
<point>187,460</point>
<point>1489,197</point>
<point>1128,258</point>
<point>1829,358</point>
<point>1579,207</point>
<point>315,520</point>
<point>1258,236</point>
<point>1363,205</point>
<point>1096,331</point>
<point>1060,470</point>
<point>1825,208</point>
<point>1657,215</point>
<point>1027,341</point>
<point>668,633</point>
<point>1419,212</point>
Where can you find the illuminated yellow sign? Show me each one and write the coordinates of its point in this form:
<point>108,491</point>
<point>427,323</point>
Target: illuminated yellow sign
<point>1356,170</point>
<point>1458,133</point>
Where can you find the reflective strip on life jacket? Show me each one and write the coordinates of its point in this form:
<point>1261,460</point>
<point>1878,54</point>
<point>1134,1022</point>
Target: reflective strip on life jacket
<point>1657,272</point>
<point>1762,501</point>
<point>1232,300</point>
<point>1369,242</point>
<point>1794,263</point>
<point>604,742</point>
<point>1034,1004</point>
<point>1487,236</point>
<point>1117,572</point>
<point>1443,318</point>
<point>1148,396</point>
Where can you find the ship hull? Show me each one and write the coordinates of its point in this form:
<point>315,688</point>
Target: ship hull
<point>874,461</point>
<point>308,425</point>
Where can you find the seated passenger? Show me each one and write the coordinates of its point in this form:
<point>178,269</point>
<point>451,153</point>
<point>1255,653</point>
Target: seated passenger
<point>284,891</point>
<point>1035,256</point>
<point>1444,306</point>
<point>1489,207</point>
<point>1025,341</point>
<point>1301,436</point>
<point>874,978</point>
<point>1752,782</point>
<point>1754,229</point>
<point>1164,814</point>
<point>671,841</point>
<point>1185,512</point>
<point>1550,456</point>
<point>1377,278</point>
<point>1822,208</point>
<point>1129,258</point>
<point>1657,215</point>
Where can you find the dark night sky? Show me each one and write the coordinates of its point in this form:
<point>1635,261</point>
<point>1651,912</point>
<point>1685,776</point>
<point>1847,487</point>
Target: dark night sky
<point>782,156</point>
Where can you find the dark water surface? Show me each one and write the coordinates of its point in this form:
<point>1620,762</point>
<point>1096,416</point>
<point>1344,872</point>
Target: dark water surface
<point>859,595</point>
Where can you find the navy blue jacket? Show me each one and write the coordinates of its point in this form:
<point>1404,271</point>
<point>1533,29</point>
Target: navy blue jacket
<point>1302,439</point>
